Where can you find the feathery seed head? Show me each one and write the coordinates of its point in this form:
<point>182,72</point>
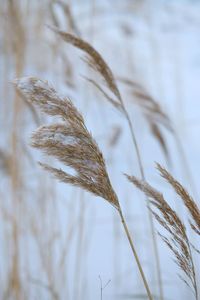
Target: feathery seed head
<point>177,241</point>
<point>68,141</point>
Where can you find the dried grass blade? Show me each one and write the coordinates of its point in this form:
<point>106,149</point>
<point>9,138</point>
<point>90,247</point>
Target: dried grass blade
<point>188,201</point>
<point>178,241</point>
<point>94,58</point>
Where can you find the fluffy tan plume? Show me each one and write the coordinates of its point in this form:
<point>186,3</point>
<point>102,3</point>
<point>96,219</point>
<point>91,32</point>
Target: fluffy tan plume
<point>177,239</point>
<point>95,61</point>
<point>68,141</point>
<point>71,144</point>
<point>185,196</point>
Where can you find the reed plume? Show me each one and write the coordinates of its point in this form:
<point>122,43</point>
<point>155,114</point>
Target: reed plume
<point>157,117</point>
<point>71,143</point>
<point>152,111</point>
<point>68,141</point>
<point>177,238</point>
<point>187,199</point>
<point>98,64</point>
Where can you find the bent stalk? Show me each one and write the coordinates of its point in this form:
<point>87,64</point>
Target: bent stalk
<point>135,254</point>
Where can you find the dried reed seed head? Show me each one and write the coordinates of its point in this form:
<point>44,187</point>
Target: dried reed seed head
<point>94,60</point>
<point>150,107</point>
<point>186,198</point>
<point>160,138</point>
<point>152,112</point>
<point>178,241</point>
<point>40,93</point>
<point>69,141</point>
<point>158,201</point>
<point>115,136</point>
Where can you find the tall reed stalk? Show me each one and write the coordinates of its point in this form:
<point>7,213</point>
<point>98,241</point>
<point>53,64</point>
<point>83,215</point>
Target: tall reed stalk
<point>97,63</point>
<point>16,32</point>
<point>70,143</point>
<point>177,240</point>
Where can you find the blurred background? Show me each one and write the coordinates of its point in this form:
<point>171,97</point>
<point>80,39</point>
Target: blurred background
<point>59,242</point>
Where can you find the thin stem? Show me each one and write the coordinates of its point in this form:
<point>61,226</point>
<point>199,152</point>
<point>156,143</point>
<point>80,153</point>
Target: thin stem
<point>101,288</point>
<point>134,142</point>
<point>193,270</point>
<point>155,246</point>
<point>135,255</point>
<point>79,246</point>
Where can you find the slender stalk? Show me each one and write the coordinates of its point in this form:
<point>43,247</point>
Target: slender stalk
<point>135,255</point>
<point>103,287</point>
<point>134,142</point>
<point>98,64</point>
<point>151,221</point>
<point>79,249</point>
<point>193,271</point>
